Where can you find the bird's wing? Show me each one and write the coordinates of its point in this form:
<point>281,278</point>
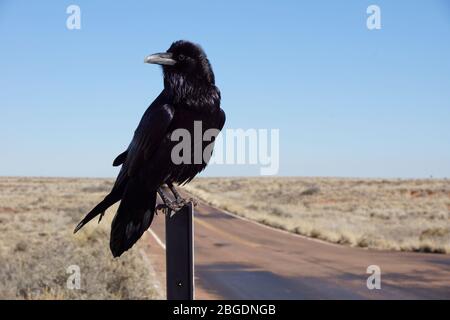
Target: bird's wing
<point>120,159</point>
<point>151,131</point>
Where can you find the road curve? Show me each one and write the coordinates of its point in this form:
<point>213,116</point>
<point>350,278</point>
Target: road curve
<point>240,259</point>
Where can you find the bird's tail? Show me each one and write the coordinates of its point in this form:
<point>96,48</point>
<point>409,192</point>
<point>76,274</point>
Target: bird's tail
<point>134,216</point>
<point>100,208</point>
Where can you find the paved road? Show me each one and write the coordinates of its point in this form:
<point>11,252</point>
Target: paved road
<point>239,259</point>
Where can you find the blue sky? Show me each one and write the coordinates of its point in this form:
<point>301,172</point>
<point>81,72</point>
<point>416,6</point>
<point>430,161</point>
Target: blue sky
<point>348,101</point>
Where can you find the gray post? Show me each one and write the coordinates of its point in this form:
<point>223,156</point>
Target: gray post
<point>180,254</point>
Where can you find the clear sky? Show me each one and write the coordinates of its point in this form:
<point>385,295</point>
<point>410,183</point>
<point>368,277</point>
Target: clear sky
<point>348,101</point>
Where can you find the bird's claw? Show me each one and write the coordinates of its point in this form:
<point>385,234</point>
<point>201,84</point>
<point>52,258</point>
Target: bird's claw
<point>184,202</point>
<point>173,206</point>
<point>194,202</point>
<point>168,207</point>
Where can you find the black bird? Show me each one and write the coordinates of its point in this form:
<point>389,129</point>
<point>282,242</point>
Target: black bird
<point>189,96</point>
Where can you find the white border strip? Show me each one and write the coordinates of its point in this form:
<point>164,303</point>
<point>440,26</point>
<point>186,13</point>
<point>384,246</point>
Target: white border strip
<point>158,240</point>
<point>292,234</point>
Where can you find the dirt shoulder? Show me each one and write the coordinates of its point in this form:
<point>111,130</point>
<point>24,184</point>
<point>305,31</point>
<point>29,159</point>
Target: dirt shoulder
<point>405,215</point>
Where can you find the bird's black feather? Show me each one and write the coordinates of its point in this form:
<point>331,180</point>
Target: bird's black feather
<point>120,159</point>
<point>189,96</point>
<point>134,216</point>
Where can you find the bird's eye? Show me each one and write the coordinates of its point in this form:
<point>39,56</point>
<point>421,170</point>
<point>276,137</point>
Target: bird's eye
<point>181,57</point>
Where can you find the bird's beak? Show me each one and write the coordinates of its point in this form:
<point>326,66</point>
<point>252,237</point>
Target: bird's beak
<point>163,58</point>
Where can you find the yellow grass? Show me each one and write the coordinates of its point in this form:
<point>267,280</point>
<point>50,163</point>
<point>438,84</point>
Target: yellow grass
<point>37,217</point>
<point>410,215</point>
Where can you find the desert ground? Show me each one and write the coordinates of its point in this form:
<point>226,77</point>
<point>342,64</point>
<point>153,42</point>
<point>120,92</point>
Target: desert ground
<point>397,214</point>
<point>37,217</point>
<point>38,247</point>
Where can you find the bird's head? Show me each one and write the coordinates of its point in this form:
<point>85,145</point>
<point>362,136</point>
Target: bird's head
<point>184,61</point>
<point>188,76</point>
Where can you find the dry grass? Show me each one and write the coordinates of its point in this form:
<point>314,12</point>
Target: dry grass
<point>37,217</point>
<point>410,215</point>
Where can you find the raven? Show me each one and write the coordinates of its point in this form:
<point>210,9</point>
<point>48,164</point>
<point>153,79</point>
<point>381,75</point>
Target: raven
<point>189,97</point>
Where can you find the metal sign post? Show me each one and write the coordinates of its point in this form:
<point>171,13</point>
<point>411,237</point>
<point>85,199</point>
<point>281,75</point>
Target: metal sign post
<point>180,254</point>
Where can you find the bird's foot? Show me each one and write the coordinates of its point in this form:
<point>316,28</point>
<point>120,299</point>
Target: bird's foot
<point>168,207</point>
<point>178,198</point>
<point>184,202</point>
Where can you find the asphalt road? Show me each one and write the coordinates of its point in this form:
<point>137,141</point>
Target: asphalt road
<point>239,259</point>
